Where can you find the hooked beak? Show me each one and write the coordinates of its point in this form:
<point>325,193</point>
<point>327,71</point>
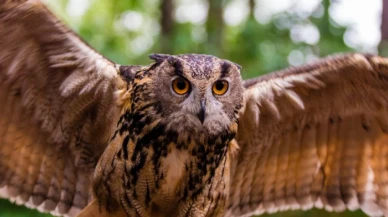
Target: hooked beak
<point>201,114</point>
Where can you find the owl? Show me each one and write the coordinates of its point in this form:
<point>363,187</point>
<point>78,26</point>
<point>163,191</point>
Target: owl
<point>184,136</point>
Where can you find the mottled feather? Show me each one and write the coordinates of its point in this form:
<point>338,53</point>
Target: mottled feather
<point>58,110</point>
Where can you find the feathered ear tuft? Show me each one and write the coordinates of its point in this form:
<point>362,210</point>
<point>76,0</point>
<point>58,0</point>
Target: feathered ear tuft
<point>238,66</point>
<point>235,64</point>
<point>228,63</point>
<point>160,57</point>
<point>129,72</point>
<point>171,59</point>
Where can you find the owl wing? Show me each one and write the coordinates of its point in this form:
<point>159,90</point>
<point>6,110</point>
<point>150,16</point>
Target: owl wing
<point>314,136</point>
<point>57,109</point>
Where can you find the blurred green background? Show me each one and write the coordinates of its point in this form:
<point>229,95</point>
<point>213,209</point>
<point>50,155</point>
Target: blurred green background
<point>260,35</point>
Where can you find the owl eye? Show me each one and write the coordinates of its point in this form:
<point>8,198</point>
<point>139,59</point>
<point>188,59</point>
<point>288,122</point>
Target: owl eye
<point>180,85</point>
<point>220,87</point>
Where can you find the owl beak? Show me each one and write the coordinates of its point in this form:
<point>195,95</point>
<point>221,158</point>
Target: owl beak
<point>201,114</point>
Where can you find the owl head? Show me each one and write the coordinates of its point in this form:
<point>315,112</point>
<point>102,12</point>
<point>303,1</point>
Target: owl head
<point>191,93</point>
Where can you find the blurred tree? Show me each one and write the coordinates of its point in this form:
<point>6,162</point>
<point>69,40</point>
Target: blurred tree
<point>383,46</point>
<point>214,27</point>
<point>330,33</point>
<point>167,24</point>
<point>252,5</point>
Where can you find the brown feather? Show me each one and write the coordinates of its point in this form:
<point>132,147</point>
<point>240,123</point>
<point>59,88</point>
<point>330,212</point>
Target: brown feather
<point>58,110</point>
<point>314,136</point>
<point>93,209</point>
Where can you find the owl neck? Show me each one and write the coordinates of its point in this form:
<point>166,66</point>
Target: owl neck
<point>154,144</point>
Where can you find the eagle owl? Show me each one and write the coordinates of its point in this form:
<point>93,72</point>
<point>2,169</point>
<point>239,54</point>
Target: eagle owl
<point>185,135</point>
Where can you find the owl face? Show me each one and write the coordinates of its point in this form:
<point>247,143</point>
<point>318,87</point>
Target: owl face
<point>197,93</point>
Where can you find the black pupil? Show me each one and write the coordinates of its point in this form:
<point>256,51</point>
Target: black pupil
<point>181,84</point>
<point>219,85</point>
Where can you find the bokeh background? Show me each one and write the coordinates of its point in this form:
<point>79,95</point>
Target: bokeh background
<point>260,35</point>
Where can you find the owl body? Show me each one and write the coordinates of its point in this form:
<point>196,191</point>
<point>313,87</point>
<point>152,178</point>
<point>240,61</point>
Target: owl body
<point>166,157</point>
<point>83,136</point>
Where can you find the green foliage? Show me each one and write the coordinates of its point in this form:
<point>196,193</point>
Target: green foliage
<point>259,48</point>
<point>8,209</point>
<point>315,213</point>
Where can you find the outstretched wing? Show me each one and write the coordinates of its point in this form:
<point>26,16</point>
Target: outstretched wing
<point>57,109</point>
<point>314,136</point>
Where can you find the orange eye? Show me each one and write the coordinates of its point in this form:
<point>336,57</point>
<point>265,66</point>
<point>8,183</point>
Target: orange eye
<point>220,87</point>
<point>180,85</point>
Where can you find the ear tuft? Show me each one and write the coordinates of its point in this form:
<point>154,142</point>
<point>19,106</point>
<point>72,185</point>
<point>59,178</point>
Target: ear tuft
<point>159,57</point>
<point>233,63</point>
<point>129,72</point>
<point>238,66</point>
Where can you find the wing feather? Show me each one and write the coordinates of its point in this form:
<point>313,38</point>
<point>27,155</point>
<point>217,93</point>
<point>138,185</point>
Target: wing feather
<point>58,109</point>
<point>314,136</point>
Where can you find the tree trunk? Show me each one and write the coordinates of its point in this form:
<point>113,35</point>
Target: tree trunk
<point>252,8</point>
<point>167,25</point>
<point>383,47</point>
<point>214,27</point>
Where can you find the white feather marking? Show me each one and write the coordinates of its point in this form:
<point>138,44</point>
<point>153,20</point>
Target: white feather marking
<point>15,65</point>
<point>369,206</point>
<point>369,188</point>
<point>314,82</point>
<point>73,83</point>
<point>4,192</point>
<point>295,99</point>
<point>174,164</point>
<point>318,203</point>
<point>89,86</point>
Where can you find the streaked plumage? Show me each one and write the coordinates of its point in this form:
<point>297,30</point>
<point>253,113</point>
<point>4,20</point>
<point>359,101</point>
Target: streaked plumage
<point>161,154</point>
<point>78,129</point>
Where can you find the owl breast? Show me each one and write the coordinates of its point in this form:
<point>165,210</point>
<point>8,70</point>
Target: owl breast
<point>174,169</point>
<point>174,165</point>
